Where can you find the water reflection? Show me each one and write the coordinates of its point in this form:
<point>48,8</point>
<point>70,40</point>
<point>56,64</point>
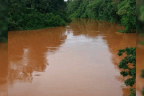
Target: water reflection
<point>115,40</point>
<point>27,52</point>
<point>3,69</point>
<point>81,58</point>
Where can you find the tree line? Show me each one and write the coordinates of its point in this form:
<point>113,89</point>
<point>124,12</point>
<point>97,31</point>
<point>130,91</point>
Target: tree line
<point>31,14</point>
<point>36,14</point>
<point>122,12</point>
<point>3,21</point>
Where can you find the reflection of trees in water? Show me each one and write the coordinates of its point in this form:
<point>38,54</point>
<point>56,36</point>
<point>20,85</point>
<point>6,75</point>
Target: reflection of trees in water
<point>92,28</point>
<point>27,51</point>
<point>37,43</point>
<point>3,69</point>
<point>83,27</point>
<point>115,40</point>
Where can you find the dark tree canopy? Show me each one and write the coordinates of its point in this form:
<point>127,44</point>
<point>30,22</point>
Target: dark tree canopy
<point>36,14</point>
<point>120,11</point>
<point>3,21</point>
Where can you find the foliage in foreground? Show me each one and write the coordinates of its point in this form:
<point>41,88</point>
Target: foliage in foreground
<point>133,92</point>
<point>127,70</point>
<point>120,11</point>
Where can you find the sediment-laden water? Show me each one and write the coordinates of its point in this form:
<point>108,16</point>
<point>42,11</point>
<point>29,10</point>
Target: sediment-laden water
<point>77,60</point>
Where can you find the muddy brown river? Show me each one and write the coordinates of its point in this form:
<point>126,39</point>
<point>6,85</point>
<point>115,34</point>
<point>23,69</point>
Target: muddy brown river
<point>140,66</point>
<point>77,60</point>
<point>3,69</point>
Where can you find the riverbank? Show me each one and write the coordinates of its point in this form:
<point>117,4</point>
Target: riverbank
<point>120,12</point>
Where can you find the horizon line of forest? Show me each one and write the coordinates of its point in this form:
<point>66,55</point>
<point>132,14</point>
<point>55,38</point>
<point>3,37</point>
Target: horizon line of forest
<point>37,14</point>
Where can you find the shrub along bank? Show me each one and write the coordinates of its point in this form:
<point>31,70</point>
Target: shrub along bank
<point>127,69</point>
<point>122,12</point>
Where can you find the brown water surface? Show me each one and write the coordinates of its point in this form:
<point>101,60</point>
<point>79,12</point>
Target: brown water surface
<point>140,66</point>
<point>77,60</point>
<point>3,69</point>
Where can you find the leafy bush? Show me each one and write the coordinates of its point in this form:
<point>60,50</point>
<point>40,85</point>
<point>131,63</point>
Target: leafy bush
<point>127,10</point>
<point>133,92</point>
<point>128,71</point>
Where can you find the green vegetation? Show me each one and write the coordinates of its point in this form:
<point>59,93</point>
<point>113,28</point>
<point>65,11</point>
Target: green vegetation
<point>3,21</point>
<point>122,12</point>
<point>127,70</point>
<point>141,42</point>
<point>36,14</point>
<point>133,92</point>
<point>140,16</point>
<point>142,75</point>
<point>143,91</point>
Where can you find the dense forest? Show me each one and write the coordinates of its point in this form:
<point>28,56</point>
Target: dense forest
<point>36,14</point>
<point>31,14</point>
<point>122,12</point>
<point>3,21</point>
